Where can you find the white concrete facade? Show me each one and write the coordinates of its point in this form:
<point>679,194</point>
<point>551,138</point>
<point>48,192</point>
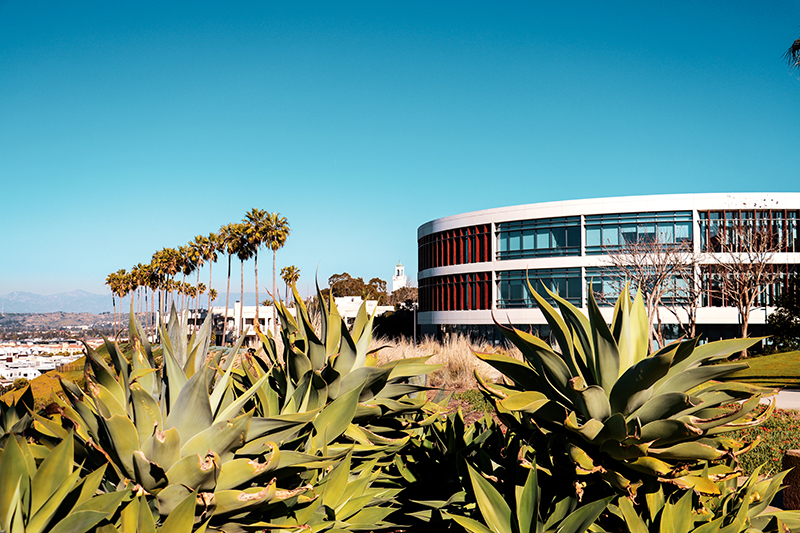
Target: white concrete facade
<point>430,319</point>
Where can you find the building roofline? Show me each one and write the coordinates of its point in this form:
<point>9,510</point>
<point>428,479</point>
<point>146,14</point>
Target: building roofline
<point>616,204</point>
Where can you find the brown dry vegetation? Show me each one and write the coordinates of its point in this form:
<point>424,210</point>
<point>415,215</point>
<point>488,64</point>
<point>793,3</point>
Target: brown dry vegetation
<point>455,354</point>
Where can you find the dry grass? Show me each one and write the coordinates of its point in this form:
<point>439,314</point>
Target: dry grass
<point>455,353</point>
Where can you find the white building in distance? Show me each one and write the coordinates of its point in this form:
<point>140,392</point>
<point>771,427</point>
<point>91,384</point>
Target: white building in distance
<point>399,279</point>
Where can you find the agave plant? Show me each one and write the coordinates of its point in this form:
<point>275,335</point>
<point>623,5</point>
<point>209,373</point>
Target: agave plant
<point>16,418</point>
<point>42,490</point>
<point>335,366</point>
<point>168,431</point>
<point>522,512</point>
<point>736,509</point>
<point>600,407</point>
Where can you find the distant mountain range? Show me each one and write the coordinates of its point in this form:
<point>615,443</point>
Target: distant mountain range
<point>68,302</point>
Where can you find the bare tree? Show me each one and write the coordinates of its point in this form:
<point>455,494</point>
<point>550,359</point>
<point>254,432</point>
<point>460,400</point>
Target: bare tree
<point>655,266</point>
<point>743,269</point>
<point>687,295</point>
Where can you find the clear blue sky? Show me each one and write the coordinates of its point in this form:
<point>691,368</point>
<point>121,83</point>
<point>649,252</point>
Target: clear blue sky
<point>126,127</point>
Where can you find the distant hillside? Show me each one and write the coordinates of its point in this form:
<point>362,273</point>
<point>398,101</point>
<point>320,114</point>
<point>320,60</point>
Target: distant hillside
<point>67,302</point>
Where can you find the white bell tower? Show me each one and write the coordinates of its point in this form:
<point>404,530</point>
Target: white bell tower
<point>399,279</point>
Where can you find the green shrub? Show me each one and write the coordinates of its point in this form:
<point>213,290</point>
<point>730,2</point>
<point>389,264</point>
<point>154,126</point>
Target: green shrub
<point>779,433</point>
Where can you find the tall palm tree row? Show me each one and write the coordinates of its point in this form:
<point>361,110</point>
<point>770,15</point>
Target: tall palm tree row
<point>244,239</point>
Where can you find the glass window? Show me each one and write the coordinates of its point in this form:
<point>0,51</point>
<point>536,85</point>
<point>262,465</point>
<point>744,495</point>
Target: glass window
<point>610,236</point>
<point>666,233</point>
<point>559,237</point>
<point>593,236</point>
<point>502,242</point>
<point>574,236</point>
<point>629,234</point>
<point>542,239</point>
<point>547,237</point>
<point>647,233</point>
<point>514,241</point>
<point>528,240</point>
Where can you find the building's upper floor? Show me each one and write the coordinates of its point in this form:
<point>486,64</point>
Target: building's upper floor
<point>605,225</point>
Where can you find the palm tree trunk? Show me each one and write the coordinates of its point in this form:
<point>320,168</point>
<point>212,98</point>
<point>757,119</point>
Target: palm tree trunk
<point>227,300</point>
<point>274,325</point>
<point>241,304</point>
<point>210,266</point>
<point>255,257</point>
<point>114,305</point>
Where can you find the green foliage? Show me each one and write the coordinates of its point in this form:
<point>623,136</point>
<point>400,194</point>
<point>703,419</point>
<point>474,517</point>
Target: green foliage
<point>345,285</point>
<point>476,399</point>
<point>779,433</point>
<point>603,412</point>
<point>42,490</point>
<point>776,370</point>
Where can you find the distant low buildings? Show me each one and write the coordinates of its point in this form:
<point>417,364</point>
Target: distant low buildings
<point>31,359</point>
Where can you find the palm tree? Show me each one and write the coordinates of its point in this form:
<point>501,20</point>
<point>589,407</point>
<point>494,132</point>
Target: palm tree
<point>197,249</point>
<point>244,251</point>
<point>255,222</point>
<point>113,281</point>
<point>792,55</point>
<point>227,241</point>
<point>213,245</point>
<point>277,231</point>
<point>290,275</point>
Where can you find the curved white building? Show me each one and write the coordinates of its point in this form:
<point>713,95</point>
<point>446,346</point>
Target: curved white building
<point>475,264</point>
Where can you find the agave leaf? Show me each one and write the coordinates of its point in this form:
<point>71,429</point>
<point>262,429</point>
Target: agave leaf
<point>149,475</point>
<point>493,507</point>
<point>146,412</point>
<point>688,451</point>
<point>41,516</point>
<point>688,379</point>
<point>119,361</point>
<point>473,526</point>
<point>196,472</point>
<point>712,351</point>
<point>528,503</point>
<point>559,328</point>
<point>546,362</point>
<point>193,398</point>
<point>521,374</point>
<point>626,394</point>
<point>334,484</point>
<point>606,362</point>
<point>104,376</point>
<point>333,420</point>
<point>124,441</point>
<point>591,401</point>
<point>666,431</point>
<point>581,333</point>
<point>222,437</point>
<point>13,476</point>
<point>243,472</point>
<point>163,447</point>
<point>181,519</point>
<point>198,348</point>
<point>51,474</point>
<point>662,406</point>
<point>634,334</point>
<point>234,501</point>
<point>632,519</point>
<point>234,408</point>
<point>79,522</point>
<point>579,520</point>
